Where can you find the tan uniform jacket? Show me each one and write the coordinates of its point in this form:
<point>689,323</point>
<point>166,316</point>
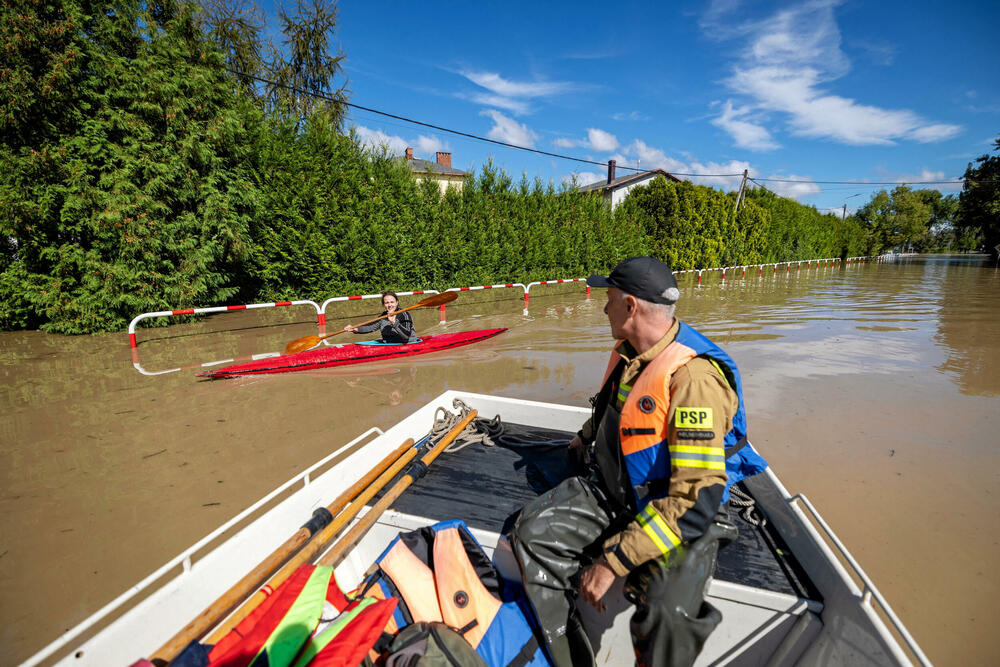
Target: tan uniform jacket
<point>696,384</point>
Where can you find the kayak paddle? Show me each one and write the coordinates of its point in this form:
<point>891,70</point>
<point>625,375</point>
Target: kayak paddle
<point>306,342</point>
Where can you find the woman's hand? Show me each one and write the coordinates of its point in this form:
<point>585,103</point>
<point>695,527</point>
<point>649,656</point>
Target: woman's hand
<point>351,328</point>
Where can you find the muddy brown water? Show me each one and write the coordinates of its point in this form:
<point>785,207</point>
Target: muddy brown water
<point>873,388</point>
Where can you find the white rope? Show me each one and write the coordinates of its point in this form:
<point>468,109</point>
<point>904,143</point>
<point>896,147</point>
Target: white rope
<point>748,507</point>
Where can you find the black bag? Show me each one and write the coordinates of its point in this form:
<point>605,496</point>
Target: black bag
<point>431,644</point>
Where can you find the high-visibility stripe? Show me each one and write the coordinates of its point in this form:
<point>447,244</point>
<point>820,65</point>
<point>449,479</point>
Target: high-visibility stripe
<point>696,456</point>
<point>623,391</point>
<point>694,449</point>
<point>689,462</point>
<point>658,531</point>
<point>719,368</point>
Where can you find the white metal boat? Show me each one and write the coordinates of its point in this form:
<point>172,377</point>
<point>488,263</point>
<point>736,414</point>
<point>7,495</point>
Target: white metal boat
<point>790,592</point>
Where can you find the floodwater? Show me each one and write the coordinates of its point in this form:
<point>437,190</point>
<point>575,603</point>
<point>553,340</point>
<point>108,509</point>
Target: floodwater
<point>871,388</point>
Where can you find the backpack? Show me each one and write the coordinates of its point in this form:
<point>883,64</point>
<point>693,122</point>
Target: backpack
<point>432,644</point>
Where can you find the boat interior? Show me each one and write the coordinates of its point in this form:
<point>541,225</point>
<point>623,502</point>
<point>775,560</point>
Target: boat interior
<point>790,593</point>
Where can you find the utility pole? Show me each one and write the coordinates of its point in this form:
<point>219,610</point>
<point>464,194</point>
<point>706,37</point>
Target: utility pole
<point>739,195</point>
<point>844,216</point>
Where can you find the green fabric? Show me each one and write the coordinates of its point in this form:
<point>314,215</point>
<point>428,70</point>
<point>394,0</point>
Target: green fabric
<point>293,631</point>
<point>319,642</point>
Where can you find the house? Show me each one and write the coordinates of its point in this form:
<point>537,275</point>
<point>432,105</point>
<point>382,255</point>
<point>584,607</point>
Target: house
<point>441,171</point>
<point>614,189</point>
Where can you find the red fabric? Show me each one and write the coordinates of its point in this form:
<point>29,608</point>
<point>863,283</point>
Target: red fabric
<point>247,626</point>
<point>264,621</point>
<point>349,647</point>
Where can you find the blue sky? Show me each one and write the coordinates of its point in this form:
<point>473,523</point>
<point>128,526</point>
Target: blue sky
<point>807,91</point>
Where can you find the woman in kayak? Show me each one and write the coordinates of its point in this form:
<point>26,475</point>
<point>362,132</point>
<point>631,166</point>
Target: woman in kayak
<point>396,328</point>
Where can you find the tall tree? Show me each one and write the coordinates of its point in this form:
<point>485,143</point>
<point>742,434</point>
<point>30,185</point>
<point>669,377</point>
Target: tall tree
<point>979,203</point>
<point>139,201</point>
<point>304,67</point>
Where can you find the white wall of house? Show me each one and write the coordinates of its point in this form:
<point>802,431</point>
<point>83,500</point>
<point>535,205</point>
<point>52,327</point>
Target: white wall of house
<point>618,195</point>
<point>444,181</point>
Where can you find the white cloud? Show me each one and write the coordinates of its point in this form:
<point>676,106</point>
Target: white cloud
<point>509,131</point>
<point>597,139</point>
<point>803,187</point>
<point>501,86</point>
<point>582,178</point>
<point>376,139</point>
<point>631,115</point>
<point>601,141</point>
<point>514,96</point>
<point>788,61</point>
<point>925,175</point>
<point>429,146</point>
<point>745,133</point>
<point>423,147</point>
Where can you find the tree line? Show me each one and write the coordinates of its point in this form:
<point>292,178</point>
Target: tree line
<point>144,166</point>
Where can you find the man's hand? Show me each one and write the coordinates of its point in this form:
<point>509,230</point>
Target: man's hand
<point>576,443</point>
<point>351,328</point>
<point>595,582</point>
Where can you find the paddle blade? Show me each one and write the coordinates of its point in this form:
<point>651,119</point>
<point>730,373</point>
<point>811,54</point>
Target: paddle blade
<point>437,299</point>
<point>302,344</point>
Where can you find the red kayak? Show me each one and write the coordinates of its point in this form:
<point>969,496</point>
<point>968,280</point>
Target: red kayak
<point>355,353</point>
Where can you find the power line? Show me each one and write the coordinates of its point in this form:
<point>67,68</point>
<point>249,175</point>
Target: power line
<point>577,159</point>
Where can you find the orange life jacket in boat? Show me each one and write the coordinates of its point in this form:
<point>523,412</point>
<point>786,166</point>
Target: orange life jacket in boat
<point>440,573</point>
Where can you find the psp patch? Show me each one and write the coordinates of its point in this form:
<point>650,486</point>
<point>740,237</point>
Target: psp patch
<point>694,418</point>
<point>647,404</point>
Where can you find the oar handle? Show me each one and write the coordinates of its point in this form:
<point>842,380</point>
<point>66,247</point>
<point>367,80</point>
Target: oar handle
<point>309,551</point>
<point>354,535</point>
<point>228,600</point>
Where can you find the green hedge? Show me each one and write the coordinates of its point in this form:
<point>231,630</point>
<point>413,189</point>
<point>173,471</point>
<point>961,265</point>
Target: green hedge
<point>136,176</point>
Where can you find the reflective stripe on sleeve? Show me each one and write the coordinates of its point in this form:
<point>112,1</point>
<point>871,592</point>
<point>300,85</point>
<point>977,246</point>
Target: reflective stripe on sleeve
<point>658,531</point>
<point>695,456</point>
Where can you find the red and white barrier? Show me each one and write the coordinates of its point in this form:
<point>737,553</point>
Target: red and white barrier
<point>207,364</point>
<point>474,288</point>
<point>217,309</point>
<point>321,309</point>
<point>527,288</point>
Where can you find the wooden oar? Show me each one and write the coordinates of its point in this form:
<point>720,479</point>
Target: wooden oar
<point>329,532</point>
<point>315,545</point>
<point>354,535</point>
<point>306,342</point>
<point>228,600</point>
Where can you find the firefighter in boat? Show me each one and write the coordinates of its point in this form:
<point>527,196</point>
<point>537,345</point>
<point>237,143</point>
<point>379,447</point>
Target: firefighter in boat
<point>667,434</point>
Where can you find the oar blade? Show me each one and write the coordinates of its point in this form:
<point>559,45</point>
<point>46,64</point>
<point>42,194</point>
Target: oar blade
<point>302,344</point>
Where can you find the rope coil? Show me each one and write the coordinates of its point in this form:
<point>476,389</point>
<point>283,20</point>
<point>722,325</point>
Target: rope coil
<point>489,432</point>
<point>748,509</point>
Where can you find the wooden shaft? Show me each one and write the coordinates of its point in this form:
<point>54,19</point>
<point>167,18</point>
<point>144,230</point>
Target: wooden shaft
<point>309,551</point>
<point>354,535</point>
<point>225,603</point>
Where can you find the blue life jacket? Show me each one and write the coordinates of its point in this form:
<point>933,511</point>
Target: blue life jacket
<point>440,573</point>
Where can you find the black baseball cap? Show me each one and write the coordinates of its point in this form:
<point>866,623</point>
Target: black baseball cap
<point>644,277</point>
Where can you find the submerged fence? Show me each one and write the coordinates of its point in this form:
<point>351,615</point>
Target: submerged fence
<point>525,287</point>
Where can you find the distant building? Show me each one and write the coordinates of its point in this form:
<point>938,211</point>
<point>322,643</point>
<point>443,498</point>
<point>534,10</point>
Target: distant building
<point>441,171</point>
<point>614,189</point>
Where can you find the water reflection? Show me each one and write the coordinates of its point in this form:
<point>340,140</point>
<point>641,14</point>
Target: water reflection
<point>968,325</point>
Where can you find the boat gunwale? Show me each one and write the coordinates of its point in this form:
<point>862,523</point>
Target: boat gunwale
<point>176,597</point>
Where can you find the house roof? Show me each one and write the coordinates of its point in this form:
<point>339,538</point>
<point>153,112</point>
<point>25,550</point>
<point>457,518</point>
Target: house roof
<point>418,166</point>
<point>629,179</point>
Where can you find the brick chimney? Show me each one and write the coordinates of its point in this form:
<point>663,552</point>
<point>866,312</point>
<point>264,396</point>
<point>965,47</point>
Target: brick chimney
<point>611,171</point>
<point>444,159</point>
<point>409,153</point>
